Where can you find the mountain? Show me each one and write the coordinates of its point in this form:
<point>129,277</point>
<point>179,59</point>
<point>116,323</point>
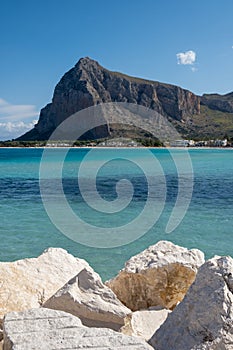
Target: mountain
<point>218,102</point>
<point>88,84</point>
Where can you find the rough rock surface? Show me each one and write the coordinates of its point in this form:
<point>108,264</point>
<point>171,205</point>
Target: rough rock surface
<point>1,335</point>
<point>144,323</point>
<point>28,283</point>
<point>88,84</point>
<point>204,319</point>
<point>88,298</point>
<point>47,329</point>
<point>223,103</point>
<point>1,332</point>
<point>160,275</point>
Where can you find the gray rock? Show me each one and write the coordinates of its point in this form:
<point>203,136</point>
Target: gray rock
<point>45,329</point>
<point>160,275</point>
<point>204,319</point>
<point>86,297</point>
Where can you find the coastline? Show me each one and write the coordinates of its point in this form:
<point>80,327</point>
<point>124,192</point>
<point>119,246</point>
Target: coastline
<point>137,147</point>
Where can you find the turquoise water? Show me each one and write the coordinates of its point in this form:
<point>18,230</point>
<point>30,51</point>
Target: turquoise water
<point>26,230</point>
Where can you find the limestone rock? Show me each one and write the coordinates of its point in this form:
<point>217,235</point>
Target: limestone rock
<point>27,283</point>
<point>144,323</point>
<point>47,329</point>
<point>88,298</point>
<point>160,275</point>
<point>88,84</point>
<point>204,319</point>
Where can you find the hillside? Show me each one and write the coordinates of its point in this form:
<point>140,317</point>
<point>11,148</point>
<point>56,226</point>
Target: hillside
<point>88,84</point>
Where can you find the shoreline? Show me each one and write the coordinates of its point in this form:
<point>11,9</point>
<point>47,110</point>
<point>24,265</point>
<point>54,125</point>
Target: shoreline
<point>125,147</point>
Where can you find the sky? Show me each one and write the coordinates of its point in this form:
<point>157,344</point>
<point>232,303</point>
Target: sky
<point>182,42</point>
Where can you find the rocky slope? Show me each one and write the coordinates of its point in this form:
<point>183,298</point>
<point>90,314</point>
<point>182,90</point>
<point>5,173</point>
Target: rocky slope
<point>223,103</point>
<point>89,84</point>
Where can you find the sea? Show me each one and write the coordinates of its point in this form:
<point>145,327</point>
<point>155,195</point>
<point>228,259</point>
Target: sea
<point>29,179</point>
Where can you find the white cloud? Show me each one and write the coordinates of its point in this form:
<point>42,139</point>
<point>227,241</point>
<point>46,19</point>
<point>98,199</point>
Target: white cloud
<point>12,130</point>
<point>9,112</point>
<point>188,57</point>
<point>15,120</point>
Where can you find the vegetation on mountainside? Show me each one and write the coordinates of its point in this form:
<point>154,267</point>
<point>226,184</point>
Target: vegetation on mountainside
<point>209,124</point>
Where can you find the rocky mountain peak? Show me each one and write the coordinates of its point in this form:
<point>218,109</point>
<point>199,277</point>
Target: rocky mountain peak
<point>88,84</point>
<point>86,62</point>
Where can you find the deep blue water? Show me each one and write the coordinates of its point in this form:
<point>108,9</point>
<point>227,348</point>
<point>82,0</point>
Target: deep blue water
<point>26,230</point>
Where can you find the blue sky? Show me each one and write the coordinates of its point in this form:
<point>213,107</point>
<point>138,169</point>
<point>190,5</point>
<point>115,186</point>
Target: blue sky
<point>187,43</point>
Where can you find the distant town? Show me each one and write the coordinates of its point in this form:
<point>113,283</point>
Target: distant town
<point>192,143</point>
<point>120,142</point>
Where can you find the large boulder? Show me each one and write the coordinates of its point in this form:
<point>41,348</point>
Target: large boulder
<point>88,298</point>
<point>204,319</point>
<point>47,329</point>
<point>160,275</point>
<point>144,323</point>
<point>27,283</point>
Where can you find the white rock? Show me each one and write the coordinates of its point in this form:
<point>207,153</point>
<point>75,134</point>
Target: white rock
<point>160,275</point>
<point>204,319</point>
<point>88,298</point>
<point>27,283</point>
<point>144,324</point>
<point>46,329</point>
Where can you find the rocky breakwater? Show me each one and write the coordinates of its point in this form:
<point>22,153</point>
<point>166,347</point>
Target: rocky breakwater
<point>159,276</point>
<point>204,319</point>
<point>45,329</point>
<point>81,311</point>
<point>28,283</point>
<point>87,297</point>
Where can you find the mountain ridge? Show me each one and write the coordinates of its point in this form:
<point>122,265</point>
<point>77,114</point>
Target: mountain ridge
<point>88,84</point>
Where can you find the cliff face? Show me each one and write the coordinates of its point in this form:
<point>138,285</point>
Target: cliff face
<point>88,84</point>
<point>222,103</point>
